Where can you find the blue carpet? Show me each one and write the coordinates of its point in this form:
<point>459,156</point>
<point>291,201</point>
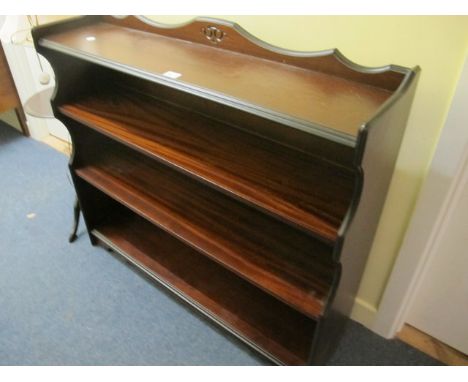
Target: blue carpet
<point>74,304</point>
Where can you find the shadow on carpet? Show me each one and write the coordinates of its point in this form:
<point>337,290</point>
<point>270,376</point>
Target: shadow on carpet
<point>74,304</point>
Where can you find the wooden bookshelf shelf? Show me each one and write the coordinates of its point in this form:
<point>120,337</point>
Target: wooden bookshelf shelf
<point>311,96</point>
<point>282,181</point>
<point>247,179</point>
<point>282,261</point>
<point>251,314</point>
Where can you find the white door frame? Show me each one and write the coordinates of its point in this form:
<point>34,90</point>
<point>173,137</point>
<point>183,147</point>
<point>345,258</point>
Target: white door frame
<point>434,205</point>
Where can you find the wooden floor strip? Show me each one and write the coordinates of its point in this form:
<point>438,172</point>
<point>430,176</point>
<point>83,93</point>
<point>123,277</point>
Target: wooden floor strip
<point>431,346</point>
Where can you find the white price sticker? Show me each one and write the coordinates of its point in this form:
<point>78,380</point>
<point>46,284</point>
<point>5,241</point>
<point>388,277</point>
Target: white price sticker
<point>171,74</point>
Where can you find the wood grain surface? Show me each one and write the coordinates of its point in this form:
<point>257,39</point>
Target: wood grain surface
<point>251,185</point>
<point>311,194</point>
<point>8,96</point>
<point>282,261</point>
<point>254,315</point>
<point>315,97</point>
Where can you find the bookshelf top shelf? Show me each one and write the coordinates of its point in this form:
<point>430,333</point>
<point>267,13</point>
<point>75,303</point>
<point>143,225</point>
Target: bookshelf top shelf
<point>317,92</point>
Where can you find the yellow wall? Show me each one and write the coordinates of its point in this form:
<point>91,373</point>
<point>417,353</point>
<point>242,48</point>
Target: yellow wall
<point>438,44</point>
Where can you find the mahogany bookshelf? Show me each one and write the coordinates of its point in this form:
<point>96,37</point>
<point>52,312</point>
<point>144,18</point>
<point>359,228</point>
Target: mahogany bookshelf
<point>245,178</point>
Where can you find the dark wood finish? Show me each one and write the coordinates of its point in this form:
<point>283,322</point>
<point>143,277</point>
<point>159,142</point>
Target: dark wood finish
<point>250,313</point>
<point>378,151</point>
<point>9,98</point>
<point>237,39</point>
<point>22,118</point>
<point>262,170</point>
<point>311,144</point>
<point>76,221</point>
<point>311,96</point>
<point>8,95</point>
<point>378,165</point>
<point>282,261</point>
<point>284,182</point>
